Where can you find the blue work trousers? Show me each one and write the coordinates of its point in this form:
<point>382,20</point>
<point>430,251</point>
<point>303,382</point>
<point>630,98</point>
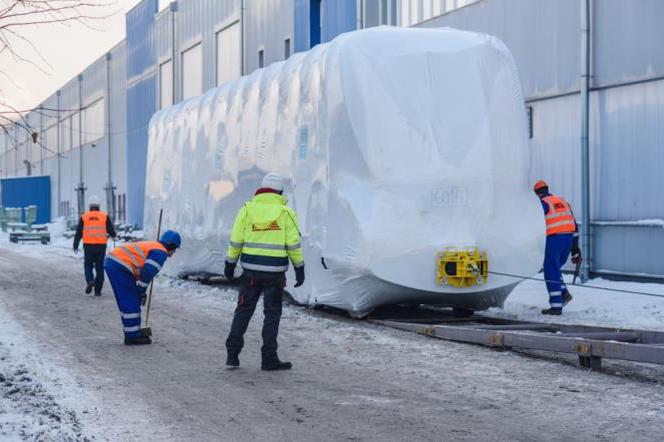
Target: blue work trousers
<point>558,248</point>
<point>93,259</point>
<point>127,297</point>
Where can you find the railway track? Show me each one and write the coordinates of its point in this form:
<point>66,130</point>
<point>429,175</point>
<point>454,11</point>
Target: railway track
<point>590,343</point>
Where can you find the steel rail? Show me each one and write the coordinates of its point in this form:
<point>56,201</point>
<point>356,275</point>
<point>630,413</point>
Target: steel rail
<point>590,343</point>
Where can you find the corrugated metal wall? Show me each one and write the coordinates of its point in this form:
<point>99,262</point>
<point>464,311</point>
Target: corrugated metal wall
<point>627,112</point>
<point>141,101</point>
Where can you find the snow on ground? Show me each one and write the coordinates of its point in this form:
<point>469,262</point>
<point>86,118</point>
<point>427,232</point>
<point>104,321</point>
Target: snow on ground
<point>36,397</point>
<point>388,352</point>
<point>594,303</point>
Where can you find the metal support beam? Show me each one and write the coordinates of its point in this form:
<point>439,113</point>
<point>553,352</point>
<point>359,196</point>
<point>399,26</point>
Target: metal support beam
<point>110,188</point>
<point>80,190</point>
<point>586,248</point>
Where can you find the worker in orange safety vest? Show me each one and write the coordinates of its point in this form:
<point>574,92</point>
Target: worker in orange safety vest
<point>562,237</point>
<point>94,228</point>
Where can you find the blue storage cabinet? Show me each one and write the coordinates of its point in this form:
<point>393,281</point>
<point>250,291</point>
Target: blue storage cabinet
<point>27,191</point>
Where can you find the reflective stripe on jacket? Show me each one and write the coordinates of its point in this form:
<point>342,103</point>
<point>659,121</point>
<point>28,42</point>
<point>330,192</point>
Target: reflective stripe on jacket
<point>133,256</point>
<point>559,218</point>
<point>265,235</point>
<point>94,227</point>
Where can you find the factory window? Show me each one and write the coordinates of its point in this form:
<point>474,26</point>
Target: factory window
<point>405,12</point>
<point>414,11</point>
<point>529,113</point>
<point>371,13</point>
<point>165,84</point>
<point>229,58</point>
<point>287,50</point>
<point>261,58</point>
<point>93,121</point>
<point>314,23</point>
<point>192,72</point>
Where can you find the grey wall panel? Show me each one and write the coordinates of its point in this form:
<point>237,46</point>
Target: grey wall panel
<point>555,147</point>
<point>636,250</point>
<point>630,158</point>
<point>543,36</point>
<point>267,25</point>
<point>197,22</point>
<point>627,40</point>
<point>118,118</point>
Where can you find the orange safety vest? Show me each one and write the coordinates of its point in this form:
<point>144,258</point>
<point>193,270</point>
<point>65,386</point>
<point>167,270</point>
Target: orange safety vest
<point>94,227</point>
<point>559,218</point>
<point>133,255</point>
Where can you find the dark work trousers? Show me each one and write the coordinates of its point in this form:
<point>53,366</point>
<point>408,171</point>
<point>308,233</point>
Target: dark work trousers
<point>252,284</point>
<point>94,258</point>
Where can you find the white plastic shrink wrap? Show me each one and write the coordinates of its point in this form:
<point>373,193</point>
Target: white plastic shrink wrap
<point>397,144</point>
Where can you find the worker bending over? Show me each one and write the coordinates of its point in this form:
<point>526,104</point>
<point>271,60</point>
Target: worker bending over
<point>265,235</point>
<point>562,236</point>
<point>94,227</point>
<point>130,268</point>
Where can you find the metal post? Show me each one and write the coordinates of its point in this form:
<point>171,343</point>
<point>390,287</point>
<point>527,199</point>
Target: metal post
<point>58,156</point>
<point>110,188</point>
<point>41,140</point>
<point>242,46</point>
<point>80,190</point>
<point>585,147</point>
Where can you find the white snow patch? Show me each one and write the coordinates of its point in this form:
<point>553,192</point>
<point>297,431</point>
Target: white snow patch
<point>594,304</point>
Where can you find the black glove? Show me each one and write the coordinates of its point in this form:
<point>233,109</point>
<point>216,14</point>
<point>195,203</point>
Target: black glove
<point>143,297</point>
<point>229,270</point>
<point>299,276</point>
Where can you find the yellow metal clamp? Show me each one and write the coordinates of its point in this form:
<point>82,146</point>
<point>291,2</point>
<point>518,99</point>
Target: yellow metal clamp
<point>462,268</point>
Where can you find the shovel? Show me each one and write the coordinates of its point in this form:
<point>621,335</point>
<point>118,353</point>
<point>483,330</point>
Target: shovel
<point>147,331</point>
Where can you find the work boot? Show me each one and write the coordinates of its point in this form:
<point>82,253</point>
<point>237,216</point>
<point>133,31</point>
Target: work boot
<point>98,293</point>
<point>232,361</point>
<point>275,364</point>
<point>557,311</point>
<point>88,288</point>
<point>139,340</point>
<point>567,297</point>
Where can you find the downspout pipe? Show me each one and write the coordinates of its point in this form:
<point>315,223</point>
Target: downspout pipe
<point>110,188</point>
<point>586,237</point>
<point>59,153</point>
<point>81,186</point>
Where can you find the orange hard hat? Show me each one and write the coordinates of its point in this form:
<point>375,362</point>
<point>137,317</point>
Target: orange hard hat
<point>540,185</point>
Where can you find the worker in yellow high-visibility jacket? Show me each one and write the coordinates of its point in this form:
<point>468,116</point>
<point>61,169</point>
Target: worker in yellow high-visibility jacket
<point>264,237</point>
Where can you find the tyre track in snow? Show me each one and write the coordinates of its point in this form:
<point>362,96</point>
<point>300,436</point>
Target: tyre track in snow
<point>350,381</point>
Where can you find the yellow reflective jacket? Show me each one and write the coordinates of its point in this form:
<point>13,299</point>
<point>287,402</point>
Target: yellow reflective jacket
<point>265,234</point>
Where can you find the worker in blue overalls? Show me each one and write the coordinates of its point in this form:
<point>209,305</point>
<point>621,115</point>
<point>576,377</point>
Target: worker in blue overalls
<point>562,237</point>
<point>130,268</point>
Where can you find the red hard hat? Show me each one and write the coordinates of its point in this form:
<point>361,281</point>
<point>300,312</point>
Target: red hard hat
<point>540,185</point>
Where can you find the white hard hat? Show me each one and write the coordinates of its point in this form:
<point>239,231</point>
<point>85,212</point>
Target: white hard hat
<point>94,201</point>
<point>273,181</point>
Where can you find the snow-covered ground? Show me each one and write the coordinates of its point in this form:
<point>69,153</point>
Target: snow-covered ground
<point>594,303</point>
<point>63,396</point>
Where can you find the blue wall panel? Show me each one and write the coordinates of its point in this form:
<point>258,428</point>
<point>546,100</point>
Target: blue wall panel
<point>301,25</point>
<point>141,102</point>
<point>28,191</point>
<point>338,17</point>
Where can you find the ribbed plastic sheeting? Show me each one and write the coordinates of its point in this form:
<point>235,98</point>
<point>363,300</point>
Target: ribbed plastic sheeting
<point>397,143</point>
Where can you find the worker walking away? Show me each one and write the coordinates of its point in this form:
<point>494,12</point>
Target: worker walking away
<point>130,268</point>
<point>562,237</point>
<point>265,235</point>
<point>94,227</point>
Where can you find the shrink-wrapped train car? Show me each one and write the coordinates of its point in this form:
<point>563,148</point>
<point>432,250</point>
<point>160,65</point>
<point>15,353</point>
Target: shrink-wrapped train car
<point>406,156</point>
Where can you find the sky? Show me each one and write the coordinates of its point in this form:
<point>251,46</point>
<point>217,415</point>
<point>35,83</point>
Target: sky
<point>67,50</point>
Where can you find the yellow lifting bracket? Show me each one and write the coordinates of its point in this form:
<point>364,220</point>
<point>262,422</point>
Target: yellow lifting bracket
<point>462,268</point>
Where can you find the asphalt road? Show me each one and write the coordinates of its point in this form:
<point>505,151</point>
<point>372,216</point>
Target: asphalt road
<point>351,380</point>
